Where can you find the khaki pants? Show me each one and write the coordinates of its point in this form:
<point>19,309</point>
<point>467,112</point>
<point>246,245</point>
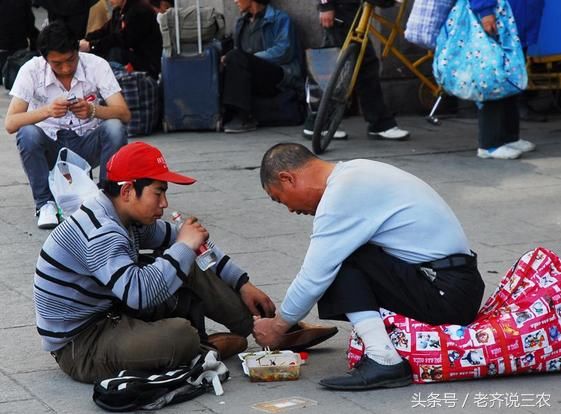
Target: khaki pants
<point>163,340</point>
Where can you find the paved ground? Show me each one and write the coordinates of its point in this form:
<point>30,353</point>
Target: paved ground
<point>507,207</point>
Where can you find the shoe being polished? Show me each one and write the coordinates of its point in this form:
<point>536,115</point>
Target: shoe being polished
<point>368,374</point>
<point>227,344</point>
<point>305,335</point>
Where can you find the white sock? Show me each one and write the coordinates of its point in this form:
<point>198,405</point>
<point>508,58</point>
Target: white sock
<point>377,344</point>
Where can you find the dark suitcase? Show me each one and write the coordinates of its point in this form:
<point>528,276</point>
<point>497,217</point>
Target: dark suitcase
<point>191,91</point>
<point>191,88</point>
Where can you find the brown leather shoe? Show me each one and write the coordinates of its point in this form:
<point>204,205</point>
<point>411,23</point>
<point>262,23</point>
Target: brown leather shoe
<point>305,335</point>
<point>227,344</point>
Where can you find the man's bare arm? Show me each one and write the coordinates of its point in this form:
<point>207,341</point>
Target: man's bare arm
<point>17,115</point>
<point>116,109</point>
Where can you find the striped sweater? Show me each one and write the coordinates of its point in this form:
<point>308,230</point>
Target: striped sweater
<point>89,263</point>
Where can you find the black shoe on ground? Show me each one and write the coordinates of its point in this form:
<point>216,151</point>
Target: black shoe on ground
<point>237,125</point>
<point>368,374</point>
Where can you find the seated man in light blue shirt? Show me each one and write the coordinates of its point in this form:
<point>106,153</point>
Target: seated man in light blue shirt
<point>382,238</point>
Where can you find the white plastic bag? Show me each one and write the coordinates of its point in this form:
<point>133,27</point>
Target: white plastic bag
<point>70,181</point>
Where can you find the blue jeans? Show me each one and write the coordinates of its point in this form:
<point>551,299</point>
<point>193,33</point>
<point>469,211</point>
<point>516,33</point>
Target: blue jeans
<point>38,152</point>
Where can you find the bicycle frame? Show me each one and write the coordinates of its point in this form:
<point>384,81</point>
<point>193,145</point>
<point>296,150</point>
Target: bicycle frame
<point>359,34</point>
<point>362,26</point>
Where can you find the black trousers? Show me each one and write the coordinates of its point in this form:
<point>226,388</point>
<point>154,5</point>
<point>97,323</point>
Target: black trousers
<point>371,279</point>
<point>246,75</point>
<point>368,88</point>
<point>499,122</point>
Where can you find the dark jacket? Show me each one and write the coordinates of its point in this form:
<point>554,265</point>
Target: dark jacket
<point>135,31</point>
<point>17,25</point>
<point>74,13</point>
<point>325,5</point>
<point>527,13</point>
<point>65,7</point>
<point>280,44</point>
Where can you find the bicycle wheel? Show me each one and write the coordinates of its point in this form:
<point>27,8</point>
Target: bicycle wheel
<point>334,100</point>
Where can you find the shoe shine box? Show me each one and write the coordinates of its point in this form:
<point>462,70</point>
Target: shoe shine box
<point>271,365</point>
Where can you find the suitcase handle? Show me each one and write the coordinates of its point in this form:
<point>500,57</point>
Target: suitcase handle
<point>177,36</point>
<point>199,29</point>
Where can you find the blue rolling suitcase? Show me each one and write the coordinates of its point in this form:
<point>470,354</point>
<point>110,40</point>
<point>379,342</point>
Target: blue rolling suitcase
<point>191,87</point>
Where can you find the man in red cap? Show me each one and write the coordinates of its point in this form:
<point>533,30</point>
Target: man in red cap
<point>100,308</point>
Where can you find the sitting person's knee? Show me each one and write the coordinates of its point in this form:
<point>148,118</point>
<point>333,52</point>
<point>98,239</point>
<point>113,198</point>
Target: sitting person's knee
<point>29,137</point>
<point>115,130</point>
<point>186,340</point>
<point>234,57</point>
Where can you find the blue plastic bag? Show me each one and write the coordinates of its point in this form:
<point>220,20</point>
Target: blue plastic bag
<point>472,65</point>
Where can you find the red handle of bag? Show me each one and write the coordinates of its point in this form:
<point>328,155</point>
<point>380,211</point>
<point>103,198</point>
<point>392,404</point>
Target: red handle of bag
<point>487,311</point>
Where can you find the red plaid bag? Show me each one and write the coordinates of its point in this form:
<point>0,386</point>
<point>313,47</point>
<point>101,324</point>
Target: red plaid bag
<point>518,330</point>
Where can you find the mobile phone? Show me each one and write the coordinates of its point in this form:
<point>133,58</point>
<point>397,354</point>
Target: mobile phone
<point>71,99</point>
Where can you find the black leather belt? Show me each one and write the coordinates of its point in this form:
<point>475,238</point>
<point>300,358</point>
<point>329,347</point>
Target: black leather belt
<point>455,260</point>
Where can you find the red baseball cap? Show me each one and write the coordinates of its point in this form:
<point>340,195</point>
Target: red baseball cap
<point>140,160</point>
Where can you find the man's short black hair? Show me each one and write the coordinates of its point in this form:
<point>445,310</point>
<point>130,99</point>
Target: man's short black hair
<point>112,189</point>
<point>56,37</point>
<point>285,156</point>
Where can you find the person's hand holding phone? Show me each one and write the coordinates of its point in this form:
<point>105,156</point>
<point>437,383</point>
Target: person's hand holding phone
<point>57,108</point>
<point>79,107</point>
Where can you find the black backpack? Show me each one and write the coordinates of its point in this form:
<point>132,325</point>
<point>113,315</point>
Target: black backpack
<point>134,390</point>
<point>13,64</point>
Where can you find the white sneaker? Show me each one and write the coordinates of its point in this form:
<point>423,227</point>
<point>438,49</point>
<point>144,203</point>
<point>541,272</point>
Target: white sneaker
<point>504,152</point>
<point>339,134</point>
<point>392,133</point>
<point>48,218</point>
<point>522,145</point>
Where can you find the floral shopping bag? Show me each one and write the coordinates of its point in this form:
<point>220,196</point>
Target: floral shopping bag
<point>470,64</point>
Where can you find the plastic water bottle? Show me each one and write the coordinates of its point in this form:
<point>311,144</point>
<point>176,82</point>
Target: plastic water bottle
<point>206,258</point>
